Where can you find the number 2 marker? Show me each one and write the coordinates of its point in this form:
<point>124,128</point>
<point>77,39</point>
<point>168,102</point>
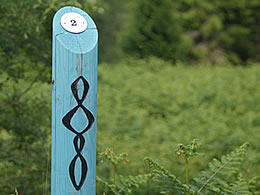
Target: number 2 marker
<point>73,22</point>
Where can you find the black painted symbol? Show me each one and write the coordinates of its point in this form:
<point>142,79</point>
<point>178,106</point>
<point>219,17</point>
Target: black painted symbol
<point>79,140</point>
<point>73,23</point>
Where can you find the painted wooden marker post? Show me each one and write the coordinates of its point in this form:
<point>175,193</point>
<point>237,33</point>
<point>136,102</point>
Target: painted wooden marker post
<point>74,95</point>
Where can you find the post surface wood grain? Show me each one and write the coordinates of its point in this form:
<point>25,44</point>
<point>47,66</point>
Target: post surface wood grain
<point>74,96</point>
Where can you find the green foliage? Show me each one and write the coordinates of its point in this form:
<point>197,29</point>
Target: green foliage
<point>123,184</point>
<point>189,150</point>
<point>24,140</point>
<point>216,180</point>
<point>241,186</point>
<point>221,30</point>
<point>155,31</point>
<point>110,18</point>
<point>205,31</point>
<point>112,157</point>
<point>222,177</point>
<point>165,181</point>
<point>147,106</point>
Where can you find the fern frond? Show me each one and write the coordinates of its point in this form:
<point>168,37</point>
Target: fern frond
<point>252,183</point>
<point>166,182</point>
<point>241,187</point>
<point>127,183</point>
<point>111,187</point>
<point>215,179</point>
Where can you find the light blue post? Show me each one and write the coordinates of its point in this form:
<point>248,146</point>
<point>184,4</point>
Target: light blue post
<point>74,101</point>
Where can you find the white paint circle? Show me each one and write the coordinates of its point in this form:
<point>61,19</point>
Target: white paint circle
<point>73,22</point>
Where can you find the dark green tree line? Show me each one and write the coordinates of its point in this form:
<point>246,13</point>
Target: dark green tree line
<point>215,32</point>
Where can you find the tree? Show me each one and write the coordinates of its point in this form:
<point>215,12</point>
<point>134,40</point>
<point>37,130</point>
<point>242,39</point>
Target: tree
<point>110,20</point>
<point>156,30</point>
<point>222,31</point>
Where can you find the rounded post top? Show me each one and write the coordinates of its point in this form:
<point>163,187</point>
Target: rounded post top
<point>75,30</point>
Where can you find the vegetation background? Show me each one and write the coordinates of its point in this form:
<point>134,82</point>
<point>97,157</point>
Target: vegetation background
<point>170,71</point>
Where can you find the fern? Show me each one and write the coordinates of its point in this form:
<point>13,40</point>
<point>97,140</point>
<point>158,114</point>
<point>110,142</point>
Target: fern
<point>165,181</point>
<point>111,187</point>
<point>215,179</point>
<point>252,183</point>
<point>123,184</point>
<point>126,184</point>
<point>241,187</point>
<point>218,179</point>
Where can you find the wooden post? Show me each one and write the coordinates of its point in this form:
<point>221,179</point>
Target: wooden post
<point>74,98</point>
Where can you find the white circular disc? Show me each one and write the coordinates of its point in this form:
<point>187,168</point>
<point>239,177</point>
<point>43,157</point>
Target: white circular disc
<point>73,22</point>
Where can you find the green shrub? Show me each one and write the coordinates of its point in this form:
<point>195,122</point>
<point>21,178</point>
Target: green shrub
<point>223,176</point>
<point>147,106</point>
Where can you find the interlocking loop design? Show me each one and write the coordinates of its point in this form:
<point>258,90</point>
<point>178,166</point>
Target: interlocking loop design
<point>79,140</point>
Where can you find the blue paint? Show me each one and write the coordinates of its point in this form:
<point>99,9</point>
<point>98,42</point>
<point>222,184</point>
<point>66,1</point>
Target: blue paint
<point>74,55</point>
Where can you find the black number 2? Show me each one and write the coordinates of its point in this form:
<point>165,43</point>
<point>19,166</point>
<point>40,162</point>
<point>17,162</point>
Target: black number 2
<point>73,23</point>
